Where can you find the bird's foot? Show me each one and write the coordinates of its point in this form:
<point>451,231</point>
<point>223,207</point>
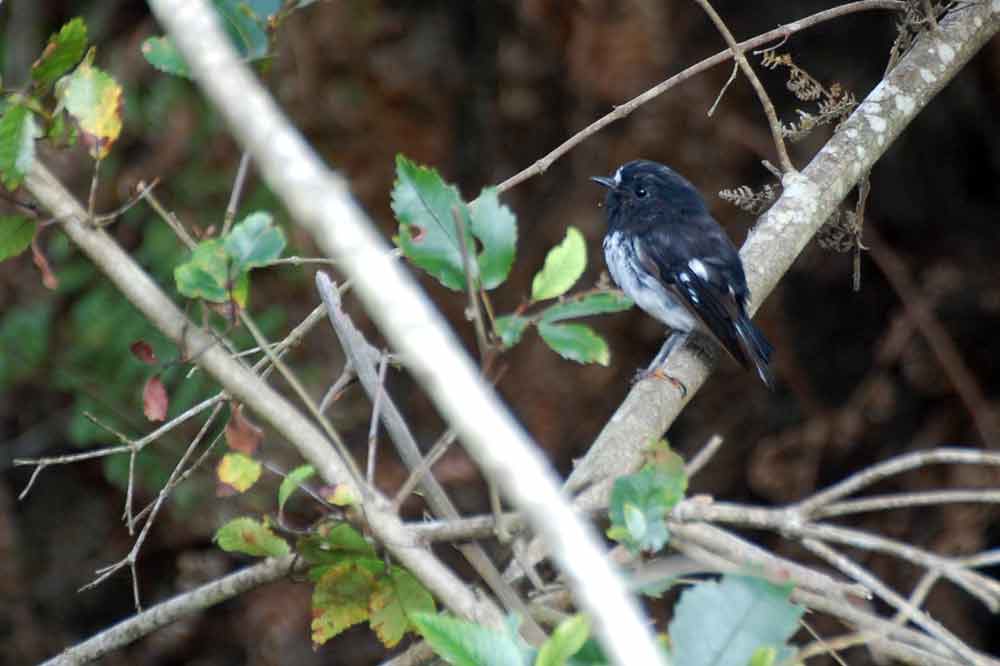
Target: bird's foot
<point>659,373</point>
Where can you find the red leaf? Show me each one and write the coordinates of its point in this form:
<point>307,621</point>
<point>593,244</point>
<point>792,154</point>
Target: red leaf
<point>48,277</point>
<point>154,399</point>
<point>142,351</point>
<point>241,434</point>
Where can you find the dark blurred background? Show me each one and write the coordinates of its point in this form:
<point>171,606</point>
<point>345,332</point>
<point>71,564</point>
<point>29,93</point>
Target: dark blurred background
<point>480,90</point>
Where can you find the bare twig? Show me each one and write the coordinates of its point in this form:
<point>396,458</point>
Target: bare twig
<point>624,110</point>
<point>234,196</point>
<point>170,611</point>
<point>383,365</point>
<point>765,101</point>
<point>704,455</point>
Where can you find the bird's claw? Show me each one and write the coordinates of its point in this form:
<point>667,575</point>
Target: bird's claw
<point>659,373</point>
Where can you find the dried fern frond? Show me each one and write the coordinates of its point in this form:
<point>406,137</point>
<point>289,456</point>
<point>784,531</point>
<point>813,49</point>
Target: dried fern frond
<point>833,103</point>
<point>752,202</point>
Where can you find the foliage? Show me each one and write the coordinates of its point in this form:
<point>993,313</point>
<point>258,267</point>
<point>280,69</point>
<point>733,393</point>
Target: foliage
<point>435,224</point>
<point>640,502</point>
<point>730,622</point>
<point>463,643</point>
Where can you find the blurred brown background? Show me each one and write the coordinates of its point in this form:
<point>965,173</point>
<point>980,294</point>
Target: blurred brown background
<point>480,90</point>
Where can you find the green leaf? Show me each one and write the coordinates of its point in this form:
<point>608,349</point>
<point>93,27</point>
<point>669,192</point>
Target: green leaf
<point>423,205</point>
<point>62,133</point>
<point>766,655</point>
<point>16,232</point>
<point>565,641</point>
<point>340,600</point>
<point>725,623</point>
<point>161,53</point>
<point>462,643</point>
<point>205,275</point>
<point>238,471</point>
<point>18,131</point>
<point>589,655</point>
<point>334,544</point>
<point>250,537</point>
<point>496,228</point>
<point>254,241</point>
<point>397,596</point>
<point>292,481</point>
<point>510,329</point>
<point>246,29</point>
<point>65,48</point>
<point>640,502</point>
<point>564,265</point>
<point>575,342</point>
<point>94,98</point>
<point>603,302</point>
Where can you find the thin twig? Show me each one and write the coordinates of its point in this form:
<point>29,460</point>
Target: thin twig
<point>722,92</point>
<point>624,110</point>
<point>92,198</point>
<point>765,101</point>
<point>383,365</point>
<point>703,456</point>
<point>475,311</point>
<point>234,196</point>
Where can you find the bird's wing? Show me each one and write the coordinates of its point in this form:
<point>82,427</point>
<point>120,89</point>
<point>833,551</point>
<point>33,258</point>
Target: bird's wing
<point>712,290</point>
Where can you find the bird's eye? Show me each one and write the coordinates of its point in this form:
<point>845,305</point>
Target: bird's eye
<point>640,192</point>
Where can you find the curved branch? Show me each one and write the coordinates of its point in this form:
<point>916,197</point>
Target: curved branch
<point>320,202</point>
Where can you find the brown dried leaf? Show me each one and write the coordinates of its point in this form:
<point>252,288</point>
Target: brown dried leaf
<point>242,434</point>
<point>144,352</point>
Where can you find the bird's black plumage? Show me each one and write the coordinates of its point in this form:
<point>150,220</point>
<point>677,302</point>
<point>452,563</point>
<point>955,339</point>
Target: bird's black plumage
<point>672,258</point>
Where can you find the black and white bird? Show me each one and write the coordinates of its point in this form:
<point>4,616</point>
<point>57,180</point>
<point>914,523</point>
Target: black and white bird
<point>670,256</point>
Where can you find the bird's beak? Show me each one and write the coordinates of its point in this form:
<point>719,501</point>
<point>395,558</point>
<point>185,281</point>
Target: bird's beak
<point>605,181</point>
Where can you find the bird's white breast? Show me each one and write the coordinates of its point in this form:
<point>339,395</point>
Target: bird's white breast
<point>646,290</point>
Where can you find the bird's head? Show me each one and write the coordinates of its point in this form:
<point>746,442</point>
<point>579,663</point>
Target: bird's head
<point>646,190</point>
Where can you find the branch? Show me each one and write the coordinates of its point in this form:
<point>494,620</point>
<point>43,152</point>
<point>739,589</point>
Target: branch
<point>243,385</point>
<point>780,235</point>
<point>624,110</point>
<point>164,613</point>
<point>320,202</point>
<point>765,101</point>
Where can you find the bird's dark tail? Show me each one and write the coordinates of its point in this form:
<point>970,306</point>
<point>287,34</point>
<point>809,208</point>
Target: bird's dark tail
<point>756,350</point>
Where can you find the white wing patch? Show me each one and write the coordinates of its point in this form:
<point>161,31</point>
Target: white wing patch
<point>618,176</point>
<point>698,268</point>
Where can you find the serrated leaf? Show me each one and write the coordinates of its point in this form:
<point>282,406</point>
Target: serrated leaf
<point>94,99</point>
<point>333,544</point>
<point>16,233</point>
<point>563,266</point>
<point>496,228</point>
<point>64,50</point>
<point>462,643</point>
<point>576,342</point>
<point>250,537</point>
<point>423,205</point>
<point>510,329</point>
<point>238,471</point>
<point>724,623</point>
<point>604,302</point>
<point>18,131</point>
<point>205,274</point>
<point>292,481</point>
<point>340,600</point>
<point>254,241</point>
<point>246,28</point>
<point>161,53</point>
<point>564,642</point>
<point>639,504</point>
<point>397,596</point>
